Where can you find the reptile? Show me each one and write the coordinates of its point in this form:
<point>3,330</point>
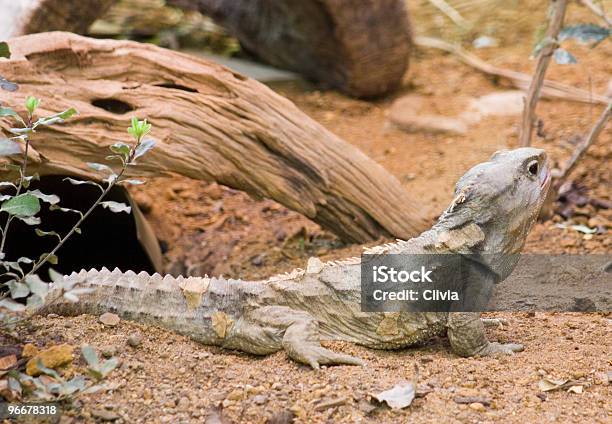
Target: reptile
<point>494,207</point>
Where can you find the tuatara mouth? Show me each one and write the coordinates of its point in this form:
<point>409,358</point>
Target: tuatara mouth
<point>547,174</point>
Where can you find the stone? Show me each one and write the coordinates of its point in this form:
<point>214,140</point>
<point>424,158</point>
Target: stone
<point>501,103</point>
<point>109,319</point>
<point>135,339</point>
<point>105,415</point>
<point>29,350</point>
<point>477,406</point>
<point>405,115</point>
<point>53,357</point>
<point>108,351</point>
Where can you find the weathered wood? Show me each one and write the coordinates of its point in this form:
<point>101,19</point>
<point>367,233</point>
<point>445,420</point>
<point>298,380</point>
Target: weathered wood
<point>20,17</point>
<point>360,47</point>
<point>211,123</point>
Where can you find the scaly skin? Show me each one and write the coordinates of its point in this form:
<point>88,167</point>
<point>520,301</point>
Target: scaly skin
<point>495,206</point>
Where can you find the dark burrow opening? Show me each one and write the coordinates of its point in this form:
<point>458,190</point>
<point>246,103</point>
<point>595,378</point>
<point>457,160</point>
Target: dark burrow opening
<point>107,239</point>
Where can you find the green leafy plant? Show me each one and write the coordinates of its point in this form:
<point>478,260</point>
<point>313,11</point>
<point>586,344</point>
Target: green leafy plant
<point>53,387</point>
<point>24,290</point>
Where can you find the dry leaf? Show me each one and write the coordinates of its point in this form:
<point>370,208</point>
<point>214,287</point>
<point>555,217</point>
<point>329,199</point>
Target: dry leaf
<point>400,396</point>
<point>575,389</point>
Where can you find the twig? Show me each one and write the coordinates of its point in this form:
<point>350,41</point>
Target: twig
<point>582,147</point>
<point>452,14</point>
<point>558,8</point>
<point>597,10</point>
<point>550,89</point>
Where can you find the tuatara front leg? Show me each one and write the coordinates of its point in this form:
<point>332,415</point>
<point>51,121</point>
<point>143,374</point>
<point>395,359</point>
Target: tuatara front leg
<point>271,328</point>
<point>467,336</point>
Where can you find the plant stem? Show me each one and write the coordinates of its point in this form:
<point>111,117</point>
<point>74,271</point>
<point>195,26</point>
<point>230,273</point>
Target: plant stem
<point>110,185</point>
<point>22,173</point>
<point>45,258</point>
<point>555,23</point>
<point>582,147</point>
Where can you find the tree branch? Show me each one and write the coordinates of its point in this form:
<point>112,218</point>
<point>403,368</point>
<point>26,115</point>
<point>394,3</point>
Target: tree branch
<point>557,14</point>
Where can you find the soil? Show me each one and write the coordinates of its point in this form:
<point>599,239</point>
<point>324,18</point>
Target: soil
<point>210,229</point>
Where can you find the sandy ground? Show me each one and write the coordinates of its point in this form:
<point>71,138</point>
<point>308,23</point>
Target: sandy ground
<point>214,230</point>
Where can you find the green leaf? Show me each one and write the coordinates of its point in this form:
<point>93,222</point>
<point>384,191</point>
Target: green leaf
<point>108,366</point>
<point>116,207</point>
<point>99,167</point>
<point>90,356</point>
<point>56,277</point>
<point>77,384</point>
<point>121,149</point>
<point>41,233</point>
<point>57,208</point>
<point>57,118</point>
<point>48,371</point>
<point>7,85</point>
<point>142,148</point>
<point>4,50</point>
<point>81,182</point>
<point>31,104</point>
<point>30,220</point>
<point>139,129</point>
<point>7,184</point>
<point>36,285</point>
<point>563,57</point>
<point>585,33</point>
<point>18,290</point>
<point>11,305</point>
<point>35,301</point>
<point>23,205</point>
<point>52,199</point>
<point>52,259</point>
<point>133,182</point>
<point>7,111</point>
<point>9,147</point>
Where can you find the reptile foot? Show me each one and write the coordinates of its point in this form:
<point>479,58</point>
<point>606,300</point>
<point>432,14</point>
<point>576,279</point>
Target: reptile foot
<point>493,349</point>
<point>315,356</point>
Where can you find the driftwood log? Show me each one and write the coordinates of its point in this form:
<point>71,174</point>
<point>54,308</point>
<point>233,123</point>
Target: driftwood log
<point>20,17</point>
<point>361,48</point>
<point>210,123</point>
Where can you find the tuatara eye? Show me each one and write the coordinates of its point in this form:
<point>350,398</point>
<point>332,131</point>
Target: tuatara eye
<point>533,168</point>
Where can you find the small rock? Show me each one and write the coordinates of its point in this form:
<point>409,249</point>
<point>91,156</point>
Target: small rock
<point>404,114</point>
<point>105,415</point>
<point>108,351</point>
<point>277,386</point>
<point>109,319</point>
<point>214,191</point>
<point>135,339</point>
<point>260,399</point>
<point>258,260</point>
<point>54,357</point>
<point>52,316</point>
<point>282,417</point>
<point>235,395</point>
<point>146,393</point>
<point>477,406</point>
<point>29,350</point>
<point>504,103</point>
<point>183,404</point>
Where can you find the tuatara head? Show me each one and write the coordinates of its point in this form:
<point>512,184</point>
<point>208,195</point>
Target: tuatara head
<point>497,202</point>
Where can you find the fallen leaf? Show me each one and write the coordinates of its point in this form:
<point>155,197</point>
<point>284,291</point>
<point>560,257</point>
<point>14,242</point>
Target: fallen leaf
<point>400,396</point>
<point>547,384</point>
<point>575,389</point>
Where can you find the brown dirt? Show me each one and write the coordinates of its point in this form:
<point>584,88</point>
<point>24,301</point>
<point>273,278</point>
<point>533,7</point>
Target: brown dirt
<point>215,230</point>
